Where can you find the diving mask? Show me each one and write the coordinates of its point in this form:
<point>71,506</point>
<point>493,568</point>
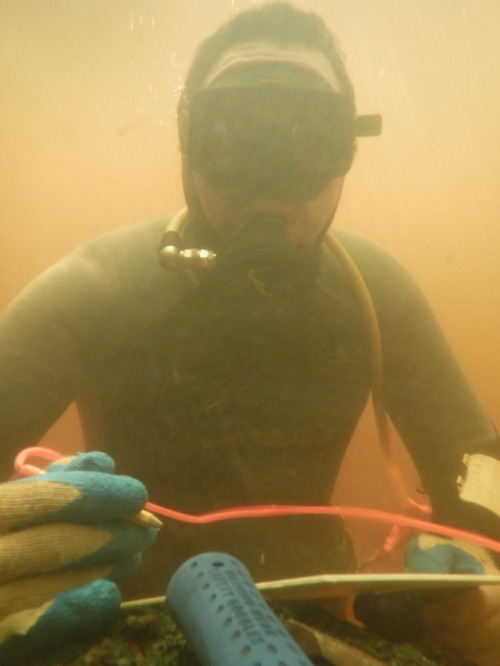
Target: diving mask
<point>269,140</point>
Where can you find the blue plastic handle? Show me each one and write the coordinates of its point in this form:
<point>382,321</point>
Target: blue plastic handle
<point>225,619</point>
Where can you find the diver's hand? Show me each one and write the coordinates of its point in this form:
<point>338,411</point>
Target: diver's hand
<point>469,620</point>
<point>66,536</point>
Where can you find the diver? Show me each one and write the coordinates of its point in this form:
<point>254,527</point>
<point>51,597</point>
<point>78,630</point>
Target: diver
<point>237,376</point>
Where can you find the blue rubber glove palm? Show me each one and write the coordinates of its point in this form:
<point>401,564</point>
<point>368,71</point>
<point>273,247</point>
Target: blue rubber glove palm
<point>66,537</point>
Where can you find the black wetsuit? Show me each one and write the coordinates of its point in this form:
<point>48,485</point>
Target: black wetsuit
<point>105,327</point>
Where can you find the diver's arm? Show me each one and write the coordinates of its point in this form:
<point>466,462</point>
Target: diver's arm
<point>45,335</point>
<point>438,415</point>
<point>73,321</point>
<point>426,392</point>
<point>435,409</point>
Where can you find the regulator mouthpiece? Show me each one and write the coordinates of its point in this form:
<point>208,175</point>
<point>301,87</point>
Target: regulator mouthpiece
<point>261,227</point>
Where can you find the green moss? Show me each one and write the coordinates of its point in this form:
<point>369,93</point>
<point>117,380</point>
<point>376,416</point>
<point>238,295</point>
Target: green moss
<point>148,636</point>
<point>140,637</point>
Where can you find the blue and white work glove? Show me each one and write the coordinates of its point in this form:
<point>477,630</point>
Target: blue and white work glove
<point>436,555</point>
<point>66,536</point>
<point>468,620</point>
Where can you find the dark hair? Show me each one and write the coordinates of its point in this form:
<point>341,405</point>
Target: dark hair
<point>279,22</point>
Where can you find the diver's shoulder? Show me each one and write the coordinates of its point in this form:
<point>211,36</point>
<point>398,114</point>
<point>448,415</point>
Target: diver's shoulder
<point>120,263</point>
<point>138,236</point>
<point>122,253</point>
<point>371,258</point>
<point>358,243</point>
<point>390,284</point>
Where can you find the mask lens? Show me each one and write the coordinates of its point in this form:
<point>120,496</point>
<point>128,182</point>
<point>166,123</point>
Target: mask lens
<point>270,138</point>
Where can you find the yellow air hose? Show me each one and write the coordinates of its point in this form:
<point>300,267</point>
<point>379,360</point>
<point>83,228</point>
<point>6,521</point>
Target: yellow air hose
<point>376,363</point>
